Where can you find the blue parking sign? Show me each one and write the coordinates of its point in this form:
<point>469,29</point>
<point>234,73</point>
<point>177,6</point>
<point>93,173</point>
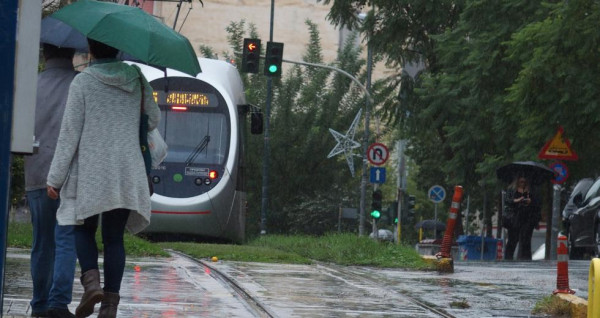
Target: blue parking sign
<point>436,194</point>
<point>377,175</point>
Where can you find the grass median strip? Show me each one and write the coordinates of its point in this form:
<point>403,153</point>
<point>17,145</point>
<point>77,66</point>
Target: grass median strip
<point>342,249</point>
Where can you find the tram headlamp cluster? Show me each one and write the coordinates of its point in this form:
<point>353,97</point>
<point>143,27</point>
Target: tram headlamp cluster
<point>212,174</point>
<point>200,181</point>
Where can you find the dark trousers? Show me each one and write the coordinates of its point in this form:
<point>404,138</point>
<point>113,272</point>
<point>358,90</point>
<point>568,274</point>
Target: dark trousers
<point>113,227</point>
<point>520,233</point>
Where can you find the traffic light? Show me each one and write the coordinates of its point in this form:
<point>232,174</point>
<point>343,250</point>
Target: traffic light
<point>256,123</point>
<point>273,59</point>
<point>250,56</point>
<point>409,210</point>
<point>412,200</point>
<point>376,204</point>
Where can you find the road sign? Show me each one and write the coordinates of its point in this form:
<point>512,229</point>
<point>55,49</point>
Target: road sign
<point>377,175</point>
<point>562,173</point>
<point>377,154</point>
<point>436,194</point>
<point>558,148</point>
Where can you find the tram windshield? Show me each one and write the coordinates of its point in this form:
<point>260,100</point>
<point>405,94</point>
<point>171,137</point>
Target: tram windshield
<point>194,121</point>
<point>195,137</point>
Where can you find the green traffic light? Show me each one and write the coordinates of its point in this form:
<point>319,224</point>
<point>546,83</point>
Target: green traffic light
<point>273,68</point>
<point>375,214</point>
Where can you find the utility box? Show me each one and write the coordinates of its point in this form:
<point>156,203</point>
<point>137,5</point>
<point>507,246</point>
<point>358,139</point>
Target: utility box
<point>470,248</point>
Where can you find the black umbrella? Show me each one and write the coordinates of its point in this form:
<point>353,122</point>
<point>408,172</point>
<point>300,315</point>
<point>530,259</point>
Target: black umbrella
<point>536,172</point>
<point>430,225</point>
<point>58,33</point>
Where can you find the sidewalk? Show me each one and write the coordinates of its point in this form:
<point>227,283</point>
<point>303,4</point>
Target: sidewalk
<point>152,287</point>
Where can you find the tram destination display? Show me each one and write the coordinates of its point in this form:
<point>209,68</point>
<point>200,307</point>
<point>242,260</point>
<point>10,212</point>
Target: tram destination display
<point>191,99</point>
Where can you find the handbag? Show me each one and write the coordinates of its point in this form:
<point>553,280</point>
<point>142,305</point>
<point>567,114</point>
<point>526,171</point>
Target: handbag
<point>153,146</point>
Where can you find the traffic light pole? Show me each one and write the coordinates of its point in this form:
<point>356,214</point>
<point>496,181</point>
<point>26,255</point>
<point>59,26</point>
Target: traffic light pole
<point>363,182</point>
<point>267,150</point>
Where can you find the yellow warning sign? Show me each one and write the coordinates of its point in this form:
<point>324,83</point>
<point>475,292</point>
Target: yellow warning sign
<point>558,148</point>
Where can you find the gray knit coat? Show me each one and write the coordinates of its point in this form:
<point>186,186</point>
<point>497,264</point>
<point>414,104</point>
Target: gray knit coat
<point>98,165</point>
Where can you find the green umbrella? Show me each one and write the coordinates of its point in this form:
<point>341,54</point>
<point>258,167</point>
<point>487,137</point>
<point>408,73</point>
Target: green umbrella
<point>132,31</point>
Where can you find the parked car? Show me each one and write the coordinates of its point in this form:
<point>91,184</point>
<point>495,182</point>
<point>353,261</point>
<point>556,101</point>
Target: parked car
<point>582,222</point>
<point>581,187</point>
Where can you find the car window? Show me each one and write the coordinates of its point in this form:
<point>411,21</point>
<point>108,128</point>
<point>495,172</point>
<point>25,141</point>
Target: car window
<point>593,191</point>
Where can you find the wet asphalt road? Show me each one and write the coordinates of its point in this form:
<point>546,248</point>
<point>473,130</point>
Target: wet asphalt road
<point>505,289</point>
<point>180,287</point>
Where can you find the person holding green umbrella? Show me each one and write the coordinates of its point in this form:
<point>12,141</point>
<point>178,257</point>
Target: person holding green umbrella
<point>132,31</point>
<point>98,169</point>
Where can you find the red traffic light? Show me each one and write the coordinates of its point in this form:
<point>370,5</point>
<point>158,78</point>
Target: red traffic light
<point>251,56</point>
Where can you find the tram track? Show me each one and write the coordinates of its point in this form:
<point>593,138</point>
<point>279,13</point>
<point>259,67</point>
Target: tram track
<point>358,280</point>
<point>251,302</point>
<point>363,277</point>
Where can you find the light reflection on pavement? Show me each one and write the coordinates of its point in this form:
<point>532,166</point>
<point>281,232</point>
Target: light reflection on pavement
<point>178,287</point>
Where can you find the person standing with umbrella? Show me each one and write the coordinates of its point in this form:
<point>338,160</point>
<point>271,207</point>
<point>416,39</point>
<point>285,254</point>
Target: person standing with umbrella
<point>99,170</point>
<point>520,218</point>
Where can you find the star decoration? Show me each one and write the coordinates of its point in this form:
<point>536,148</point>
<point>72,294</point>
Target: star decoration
<point>346,143</point>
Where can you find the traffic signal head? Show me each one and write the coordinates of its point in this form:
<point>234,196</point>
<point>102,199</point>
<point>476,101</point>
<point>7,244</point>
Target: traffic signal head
<point>408,212</point>
<point>376,204</point>
<point>250,56</point>
<point>273,59</point>
<point>412,200</point>
<point>376,214</point>
<point>256,123</point>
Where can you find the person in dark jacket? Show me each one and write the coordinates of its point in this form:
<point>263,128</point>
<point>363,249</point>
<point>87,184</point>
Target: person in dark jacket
<point>53,254</point>
<point>522,216</point>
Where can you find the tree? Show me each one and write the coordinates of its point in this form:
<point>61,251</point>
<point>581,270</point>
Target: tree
<point>305,188</point>
<point>558,81</point>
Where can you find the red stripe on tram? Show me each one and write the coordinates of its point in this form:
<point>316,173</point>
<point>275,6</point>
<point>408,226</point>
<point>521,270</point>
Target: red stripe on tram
<point>181,213</point>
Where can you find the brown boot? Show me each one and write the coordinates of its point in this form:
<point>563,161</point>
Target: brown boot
<point>108,309</point>
<point>92,293</point>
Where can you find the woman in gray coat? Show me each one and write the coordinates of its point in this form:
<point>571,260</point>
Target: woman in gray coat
<point>99,170</point>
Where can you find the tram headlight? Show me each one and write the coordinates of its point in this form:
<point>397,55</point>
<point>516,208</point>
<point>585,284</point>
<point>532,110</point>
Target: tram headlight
<point>207,181</point>
<point>155,179</point>
<point>198,181</point>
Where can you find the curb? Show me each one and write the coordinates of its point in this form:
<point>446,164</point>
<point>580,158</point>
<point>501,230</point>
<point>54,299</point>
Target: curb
<point>577,305</point>
<point>442,265</point>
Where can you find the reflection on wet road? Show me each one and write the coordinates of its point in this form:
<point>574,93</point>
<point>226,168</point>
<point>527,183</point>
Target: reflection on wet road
<point>506,289</point>
<point>180,287</point>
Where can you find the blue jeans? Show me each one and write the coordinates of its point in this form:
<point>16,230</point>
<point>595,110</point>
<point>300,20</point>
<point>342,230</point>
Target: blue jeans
<point>53,248</point>
<point>113,227</point>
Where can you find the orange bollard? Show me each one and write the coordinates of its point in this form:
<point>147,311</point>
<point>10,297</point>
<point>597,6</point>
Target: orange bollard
<point>562,267</point>
<point>499,253</point>
<point>445,251</point>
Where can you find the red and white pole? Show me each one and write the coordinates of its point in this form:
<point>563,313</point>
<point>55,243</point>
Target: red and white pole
<point>445,251</point>
<point>562,267</point>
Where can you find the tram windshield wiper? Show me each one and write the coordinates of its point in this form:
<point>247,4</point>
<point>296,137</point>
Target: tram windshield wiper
<point>199,148</point>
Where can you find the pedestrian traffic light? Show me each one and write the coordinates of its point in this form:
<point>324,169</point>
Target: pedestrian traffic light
<point>376,204</point>
<point>250,56</point>
<point>273,59</point>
